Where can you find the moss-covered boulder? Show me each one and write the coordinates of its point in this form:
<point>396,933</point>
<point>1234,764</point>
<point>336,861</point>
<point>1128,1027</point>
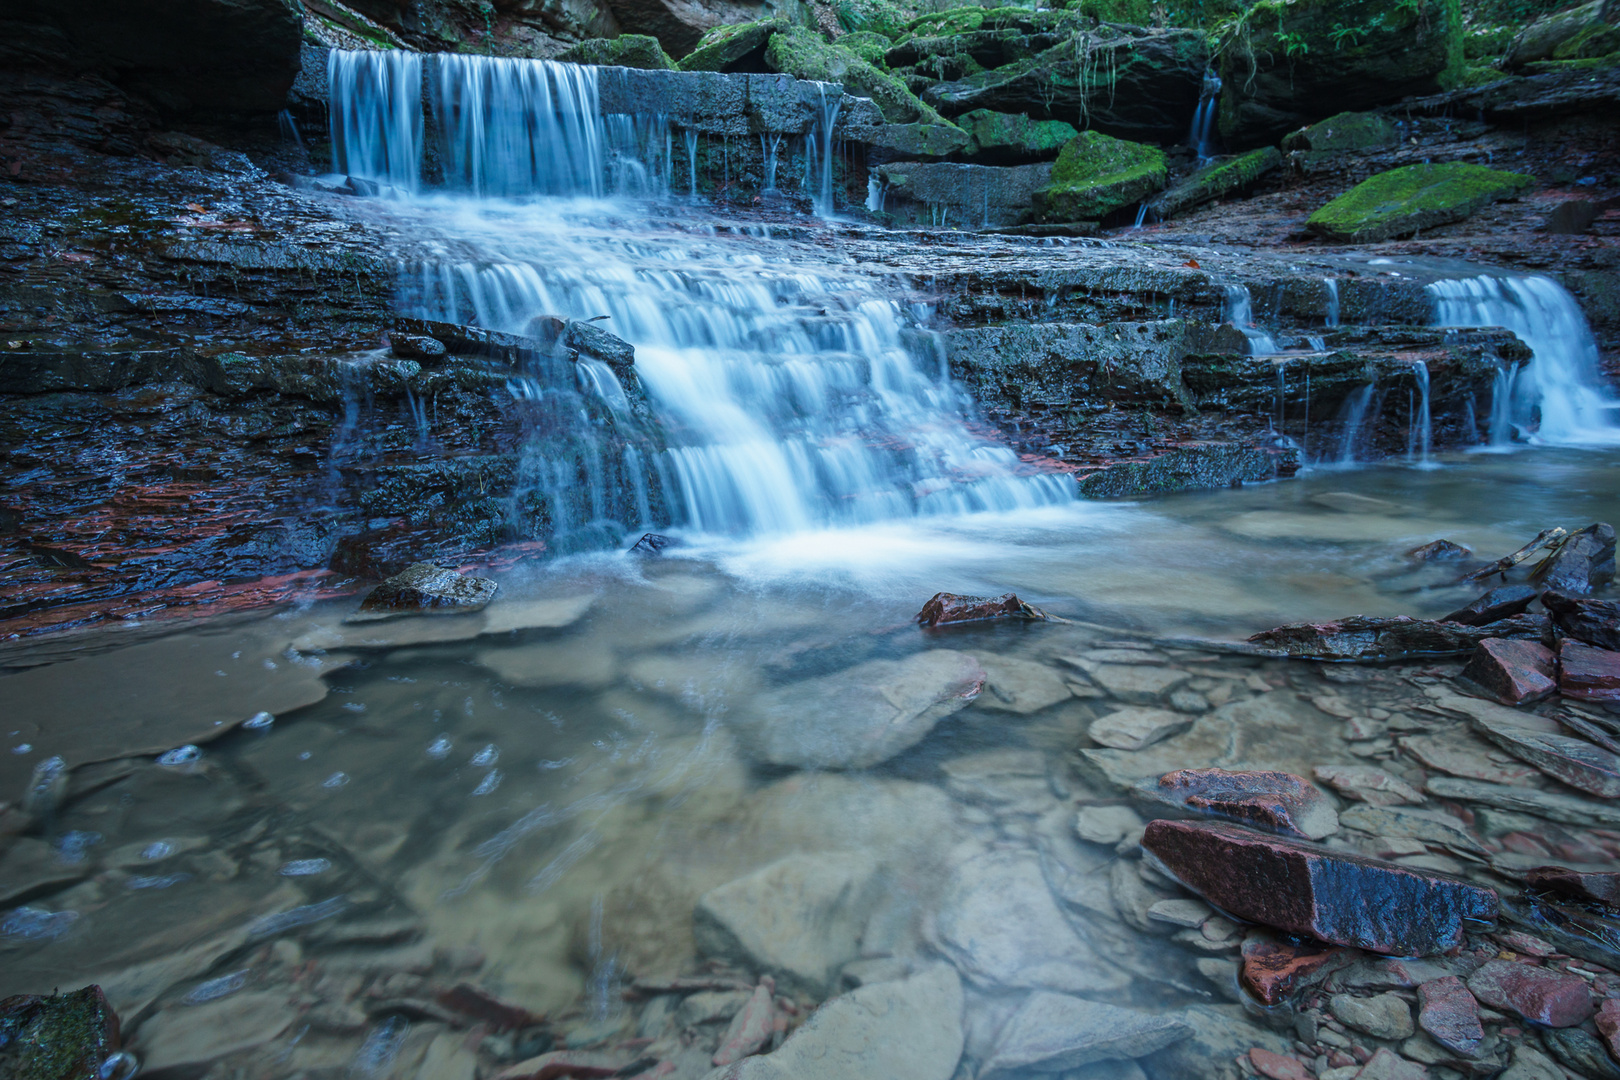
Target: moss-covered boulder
<point>1133,12</point>
<point>805,55</point>
<point>1096,175</point>
<point>1286,63</point>
<point>626,50</point>
<point>1346,131</point>
<point>1565,35</point>
<point>726,46</point>
<point>1014,134</point>
<point>885,17</point>
<point>1403,201</point>
<point>867,45</point>
<point>1217,181</point>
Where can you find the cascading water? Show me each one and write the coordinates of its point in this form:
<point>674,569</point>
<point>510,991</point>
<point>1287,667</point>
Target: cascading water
<point>1202,136</point>
<point>1240,313</point>
<point>770,146</point>
<point>1331,314</point>
<point>1559,398</point>
<point>819,152</point>
<point>1420,431</point>
<point>1353,414</point>
<point>375,116</point>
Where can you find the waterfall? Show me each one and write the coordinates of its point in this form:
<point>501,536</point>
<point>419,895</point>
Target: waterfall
<point>1420,428</point>
<point>1354,413</point>
<point>1202,135</point>
<point>376,115</point>
<point>1559,397</point>
<point>819,152</point>
<point>1501,429</point>
<point>690,135</point>
<point>770,146</point>
<point>874,192</point>
<point>1240,313</point>
<point>1332,312</point>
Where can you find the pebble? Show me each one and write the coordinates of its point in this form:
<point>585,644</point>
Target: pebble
<point>1540,995</point>
<point>1384,1016</point>
<point>1106,824</point>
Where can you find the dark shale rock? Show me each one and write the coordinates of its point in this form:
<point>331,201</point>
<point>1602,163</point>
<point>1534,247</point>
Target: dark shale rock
<point>1276,801</point>
<point>970,196</point>
<point>1497,604</point>
<point>1441,551</point>
<point>653,544</point>
<point>1512,672</point>
<point>1540,995</point>
<point>1574,761</point>
<point>1580,885</point>
<point>1216,182</point>
<point>1581,1053</point>
<point>49,371</point>
<point>1450,1015</point>
<point>1195,467</point>
<point>1594,622</point>
<point>1274,970</point>
<point>423,587</point>
<point>945,608</point>
<point>1305,889</point>
<point>1366,638</point>
<point>1588,674</point>
<point>61,1037</point>
<point>1583,561</point>
<point>1608,1025</point>
<point>416,346</point>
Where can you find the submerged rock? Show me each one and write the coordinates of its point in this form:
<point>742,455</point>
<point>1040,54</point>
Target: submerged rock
<point>859,717</point>
<point>1574,761</point>
<point>1056,1032</point>
<point>1513,672</point>
<point>1277,801</point>
<point>1580,885</point>
<point>189,1038</point>
<point>750,1029</point>
<point>1275,970</point>
<point>943,609</point>
<point>1335,897</point>
<point>424,587</point>
<point>1404,201</point>
<point>1368,638</point>
<point>1450,1015</point>
<point>1540,995</point>
<point>1588,674</point>
<point>71,1036</point>
<point>1134,727</point>
<point>1368,784</point>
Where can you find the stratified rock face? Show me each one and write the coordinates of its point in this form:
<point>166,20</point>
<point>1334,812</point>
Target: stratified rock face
<point>1403,201</point>
<point>1283,66</point>
<point>1550,998</point>
<point>185,56</point>
<point>1594,622</point>
<point>1365,637</point>
<point>425,587</point>
<point>970,195</point>
<point>1588,674</point>
<point>1304,889</point>
<point>1096,175</point>
<point>1497,604</point>
<point>1276,801</point>
<point>1513,672</point>
<point>1574,761</point>
<point>1055,1032</point>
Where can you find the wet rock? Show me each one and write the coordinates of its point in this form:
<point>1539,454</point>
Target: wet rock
<point>652,544</point>
<point>1497,604</point>
<point>750,1028</point>
<point>1013,134</point>
<point>1540,995</point>
<point>799,919</point>
<point>191,1037</point>
<point>1277,1066</point>
<point>859,717</point>
<point>998,923</point>
<point>945,608</point>
<point>582,1064</point>
<point>1594,622</point>
<point>1552,805</point>
<point>1096,175</point>
<point>1440,551</point>
<point>1466,756</point>
<point>1134,727</point>
<point>1140,684</point>
<point>904,1029</point>
<point>1574,761</point>
<point>31,868</point>
<point>68,1036</point>
<point>1019,686</point>
<point>1277,801</point>
<point>1383,1016</point>
<point>1581,1053</point>
<point>1608,1025</point>
<point>448,1058</point>
<point>1513,672</point>
<point>1216,181</point>
<point>423,587</point>
<point>982,195</point>
<point>1531,1064</point>
<point>416,346</point>
<point>1191,467</point>
<point>1055,1032</point>
<point>1274,970</point>
<point>710,1006</point>
<point>1385,1064</point>
<point>1597,887</point>
<point>1106,824</point>
<point>1429,826</point>
<point>1581,562</point>
<point>1588,674</point>
<point>1220,1033</point>
<point>1005,779</point>
<point>1133,898</point>
<point>1373,638</point>
<point>1406,200</point>
<point>626,50</point>
<point>1365,783</point>
<point>1450,1015</point>
<point>1185,913</point>
<point>480,1004</point>
<point>1307,889</point>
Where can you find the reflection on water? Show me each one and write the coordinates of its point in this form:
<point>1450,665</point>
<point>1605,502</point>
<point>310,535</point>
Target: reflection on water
<point>537,799</point>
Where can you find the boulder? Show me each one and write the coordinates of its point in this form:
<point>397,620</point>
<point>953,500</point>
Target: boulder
<point>945,608</point>
<point>1562,34</point>
<point>1368,784</point>
<point>806,55</point>
<point>1592,622</point>
<point>1216,181</point>
<point>1367,638</point>
<point>1220,1033</point>
<point>1096,175</point>
<point>1574,761</point>
<point>1403,201</point>
<point>1450,1015</point>
<point>1540,995</point>
<point>901,1029</point>
<point>1013,135</point>
<point>1581,1054</point>
<point>1581,562</point>
<point>1497,604</point>
<point>1608,1025</point>
<point>1134,727</point>
<point>1305,889</point>
<point>1345,132</point>
<point>798,920</point>
<point>1284,65</point>
<point>424,587</point>
<point>680,25</point>
<point>859,717</point>
<point>626,50</point>
<point>1512,672</point>
<point>1588,674</point>
<point>725,47</point>
<point>1053,1033</point>
<point>1276,801</point>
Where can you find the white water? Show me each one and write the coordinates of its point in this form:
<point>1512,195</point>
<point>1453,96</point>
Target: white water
<point>1420,430</point>
<point>376,115</point>
<point>1559,398</point>
<point>1331,316</point>
<point>1240,313</point>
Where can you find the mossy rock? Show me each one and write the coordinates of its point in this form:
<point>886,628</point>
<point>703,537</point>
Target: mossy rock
<point>1347,131</point>
<point>1014,133</point>
<point>1131,12</point>
<point>961,20</point>
<point>1595,41</point>
<point>918,140</point>
<point>61,1037</point>
<point>1403,201</point>
<point>726,45</point>
<point>874,16</point>
<point>804,55</point>
<point>1217,181</point>
<point>866,45</point>
<point>626,50</point>
<point>1096,175</point>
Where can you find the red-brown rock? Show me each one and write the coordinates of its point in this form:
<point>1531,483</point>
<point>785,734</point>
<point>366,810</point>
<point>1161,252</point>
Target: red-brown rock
<point>1277,801</point>
<point>946,608</point>
<point>480,1004</point>
<point>1588,674</point>
<point>1513,672</point>
<point>1497,604</point>
<point>1540,995</point>
<point>1449,1013</point>
<point>1307,889</point>
<point>1369,637</point>
<point>1608,1025</point>
<point>1274,970</point>
<point>1602,888</point>
<point>1277,1066</point>
<point>1574,761</point>
<point>578,1064</point>
<point>750,1029</point>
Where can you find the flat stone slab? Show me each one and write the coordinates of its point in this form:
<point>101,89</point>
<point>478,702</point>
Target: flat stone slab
<point>1276,801</point>
<point>1576,762</point>
<point>1552,805</point>
<point>1540,995</point>
<point>1368,784</point>
<point>1512,672</point>
<point>1134,727</point>
<point>1588,674</point>
<point>1450,1015</point>
<point>1053,1033</point>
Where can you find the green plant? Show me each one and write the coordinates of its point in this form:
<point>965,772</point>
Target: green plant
<point>1342,33</point>
<point>1293,44</point>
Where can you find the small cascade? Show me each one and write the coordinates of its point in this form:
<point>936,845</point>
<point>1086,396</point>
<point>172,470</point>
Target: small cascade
<point>1353,415</point>
<point>1240,313</point>
<point>1317,342</point>
<point>1280,404</point>
<point>375,115</point>
<point>770,146</point>
<point>818,158</point>
<point>1202,136</point>
<point>1141,215</point>
<point>1420,428</point>
<point>1559,398</point>
<point>691,137</point>
<point>1501,431</point>
<point>1331,314</point>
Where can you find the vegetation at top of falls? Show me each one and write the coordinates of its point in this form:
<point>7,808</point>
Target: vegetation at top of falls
<point>884,17</point>
<point>1402,201</point>
<point>1412,33</point>
<point>806,55</point>
<point>1096,175</point>
<point>626,50</point>
<point>1346,131</point>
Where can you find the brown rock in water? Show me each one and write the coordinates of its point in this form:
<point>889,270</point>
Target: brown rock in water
<point>1439,551</point>
<point>1512,672</point>
<point>1588,674</point>
<point>1540,995</point>
<point>750,1029</point>
<point>1594,622</point>
<point>1497,604</point>
<point>1574,761</point>
<point>1450,1015</point>
<point>1276,801</point>
<point>423,587</point>
<point>1608,1025</point>
<point>60,1037</point>
<point>1306,889</point>
<point>1581,562</point>
<point>1274,970</point>
<point>1277,1066</point>
<point>945,608</point>
<point>1599,888</point>
<point>480,1004</point>
<point>1366,638</point>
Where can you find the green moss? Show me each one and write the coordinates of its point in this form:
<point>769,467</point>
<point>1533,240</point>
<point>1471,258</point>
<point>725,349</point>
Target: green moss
<point>1403,201</point>
<point>875,16</point>
<point>1596,41</point>
<point>1487,42</point>
<point>955,21</point>
<point>1544,67</point>
<point>1014,132</point>
<point>1217,181</point>
<point>1346,131</point>
<point>866,45</point>
<point>1096,175</point>
<point>626,50</point>
<point>725,45</point>
<point>804,55</point>
<point>1132,12</point>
